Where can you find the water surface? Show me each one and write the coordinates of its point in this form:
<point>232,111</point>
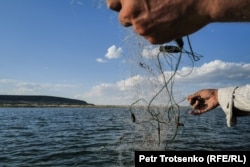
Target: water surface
<point>87,137</point>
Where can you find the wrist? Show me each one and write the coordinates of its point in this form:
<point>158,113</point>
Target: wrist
<point>216,97</point>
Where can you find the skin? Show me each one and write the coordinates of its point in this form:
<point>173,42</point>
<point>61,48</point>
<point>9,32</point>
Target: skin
<point>203,101</point>
<point>161,21</point>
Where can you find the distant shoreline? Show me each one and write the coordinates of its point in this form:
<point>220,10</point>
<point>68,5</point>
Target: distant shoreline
<point>60,106</point>
<point>40,101</point>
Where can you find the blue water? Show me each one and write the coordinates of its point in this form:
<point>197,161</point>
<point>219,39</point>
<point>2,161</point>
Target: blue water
<point>87,137</point>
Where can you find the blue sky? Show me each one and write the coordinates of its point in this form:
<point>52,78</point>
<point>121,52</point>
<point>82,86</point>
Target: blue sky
<point>78,49</point>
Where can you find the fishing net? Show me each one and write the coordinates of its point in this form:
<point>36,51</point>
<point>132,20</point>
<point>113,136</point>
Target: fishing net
<point>156,113</point>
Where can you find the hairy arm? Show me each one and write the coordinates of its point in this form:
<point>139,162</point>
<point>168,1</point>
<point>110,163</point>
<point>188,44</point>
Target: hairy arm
<point>161,21</point>
<point>230,11</point>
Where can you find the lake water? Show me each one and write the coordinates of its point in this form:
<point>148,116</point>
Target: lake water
<point>104,137</point>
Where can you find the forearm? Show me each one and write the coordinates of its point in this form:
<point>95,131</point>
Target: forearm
<point>229,10</point>
<point>161,21</point>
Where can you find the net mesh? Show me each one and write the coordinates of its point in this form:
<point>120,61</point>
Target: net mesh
<point>156,111</point>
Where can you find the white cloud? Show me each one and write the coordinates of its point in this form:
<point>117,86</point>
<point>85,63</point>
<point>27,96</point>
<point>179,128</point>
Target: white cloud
<point>149,52</point>
<point>215,74</point>
<point>16,87</point>
<point>100,60</point>
<point>121,92</point>
<point>129,83</point>
<point>114,52</point>
<point>7,81</point>
<point>218,72</point>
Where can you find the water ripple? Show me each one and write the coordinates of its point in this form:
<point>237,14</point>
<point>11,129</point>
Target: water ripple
<point>100,137</point>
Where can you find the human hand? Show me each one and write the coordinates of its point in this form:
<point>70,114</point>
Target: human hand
<point>203,101</point>
<point>161,21</point>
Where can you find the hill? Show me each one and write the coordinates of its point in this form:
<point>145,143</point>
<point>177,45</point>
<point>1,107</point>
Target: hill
<point>39,101</point>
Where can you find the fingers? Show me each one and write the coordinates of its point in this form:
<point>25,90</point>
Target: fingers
<point>203,101</point>
<point>195,112</point>
<point>193,101</point>
<point>196,101</point>
<point>192,98</point>
<point>198,104</point>
<point>114,5</point>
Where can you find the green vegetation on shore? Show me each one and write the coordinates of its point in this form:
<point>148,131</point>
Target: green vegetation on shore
<point>40,101</point>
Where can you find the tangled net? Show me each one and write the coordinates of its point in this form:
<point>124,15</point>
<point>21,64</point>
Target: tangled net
<point>159,117</point>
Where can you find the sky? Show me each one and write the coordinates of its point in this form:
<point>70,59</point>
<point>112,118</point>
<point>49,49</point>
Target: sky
<point>78,49</point>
